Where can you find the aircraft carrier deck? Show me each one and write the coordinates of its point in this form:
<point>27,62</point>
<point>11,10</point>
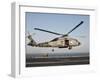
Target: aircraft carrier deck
<point>46,61</point>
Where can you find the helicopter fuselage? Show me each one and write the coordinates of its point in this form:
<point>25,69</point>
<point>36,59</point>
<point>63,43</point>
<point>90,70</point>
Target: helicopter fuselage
<point>60,43</point>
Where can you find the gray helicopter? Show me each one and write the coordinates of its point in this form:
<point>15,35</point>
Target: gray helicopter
<point>64,41</point>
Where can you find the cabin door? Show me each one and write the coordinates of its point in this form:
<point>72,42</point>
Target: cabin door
<point>67,42</point>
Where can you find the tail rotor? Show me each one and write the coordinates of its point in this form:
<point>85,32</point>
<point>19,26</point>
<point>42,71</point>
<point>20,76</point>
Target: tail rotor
<point>32,41</point>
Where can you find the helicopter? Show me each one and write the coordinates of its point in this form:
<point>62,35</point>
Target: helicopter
<point>64,41</point>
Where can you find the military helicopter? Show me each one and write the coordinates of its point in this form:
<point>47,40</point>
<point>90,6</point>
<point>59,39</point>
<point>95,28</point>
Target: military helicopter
<point>64,41</point>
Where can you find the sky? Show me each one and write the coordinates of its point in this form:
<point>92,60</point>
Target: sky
<point>60,23</point>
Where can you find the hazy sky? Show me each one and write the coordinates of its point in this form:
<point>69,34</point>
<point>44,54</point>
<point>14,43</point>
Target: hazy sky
<point>60,23</point>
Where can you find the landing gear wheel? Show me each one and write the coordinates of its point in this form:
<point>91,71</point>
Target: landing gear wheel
<point>70,47</point>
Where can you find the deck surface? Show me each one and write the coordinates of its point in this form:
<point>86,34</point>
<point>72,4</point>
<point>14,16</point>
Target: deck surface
<point>34,62</point>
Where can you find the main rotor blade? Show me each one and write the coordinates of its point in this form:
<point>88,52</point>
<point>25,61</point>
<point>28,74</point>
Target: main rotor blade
<point>73,28</point>
<point>47,31</point>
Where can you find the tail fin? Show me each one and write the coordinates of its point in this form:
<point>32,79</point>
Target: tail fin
<point>32,42</point>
